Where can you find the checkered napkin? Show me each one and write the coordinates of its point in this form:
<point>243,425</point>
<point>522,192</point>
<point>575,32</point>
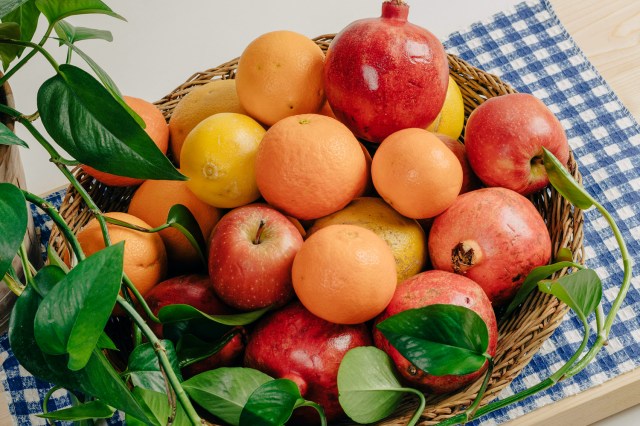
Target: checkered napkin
<point>528,48</point>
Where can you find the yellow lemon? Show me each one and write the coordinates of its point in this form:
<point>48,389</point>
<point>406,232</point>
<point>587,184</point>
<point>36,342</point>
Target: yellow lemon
<point>218,157</point>
<point>200,103</point>
<point>451,118</point>
<point>405,236</point>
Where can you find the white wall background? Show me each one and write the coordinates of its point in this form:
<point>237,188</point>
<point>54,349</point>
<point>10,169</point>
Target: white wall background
<point>163,42</point>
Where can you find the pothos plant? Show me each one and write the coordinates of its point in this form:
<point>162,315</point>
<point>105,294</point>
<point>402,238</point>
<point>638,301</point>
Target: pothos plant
<point>57,329</point>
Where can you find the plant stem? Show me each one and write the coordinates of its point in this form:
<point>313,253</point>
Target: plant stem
<point>471,411</point>
<point>318,408</point>
<point>53,213</point>
<point>603,334</point>
<point>164,361</point>
<point>135,227</point>
<point>26,270</point>
<point>15,287</point>
<point>36,48</point>
<point>26,58</point>
<point>416,416</point>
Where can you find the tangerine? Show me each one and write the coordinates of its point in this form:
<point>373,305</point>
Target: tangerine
<point>279,74</point>
<point>344,274</point>
<point>310,166</point>
<point>415,173</point>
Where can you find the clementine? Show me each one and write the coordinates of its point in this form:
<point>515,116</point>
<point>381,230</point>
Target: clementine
<point>344,274</point>
<point>280,74</point>
<point>416,173</point>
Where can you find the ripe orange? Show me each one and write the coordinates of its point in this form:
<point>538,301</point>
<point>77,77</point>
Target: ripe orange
<point>280,74</point>
<point>416,173</point>
<point>344,274</point>
<point>405,236</point>
<point>156,128</point>
<point>145,258</point>
<point>202,102</point>
<point>310,166</point>
<point>219,157</point>
<point>152,201</point>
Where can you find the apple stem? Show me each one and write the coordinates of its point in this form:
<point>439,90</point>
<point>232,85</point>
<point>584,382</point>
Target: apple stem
<point>537,160</point>
<point>256,240</point>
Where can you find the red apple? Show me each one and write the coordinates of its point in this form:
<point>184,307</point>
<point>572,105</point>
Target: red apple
<point>194,290</point>
<point>469,179</point>
<point>504,138</point>
<point>430,288</point>
<point>250,257</point>
<point>293,343</point>
<point>385,74</point>
<point>494,236</point>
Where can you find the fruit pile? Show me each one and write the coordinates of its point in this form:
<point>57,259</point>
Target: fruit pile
<point>333,193</point>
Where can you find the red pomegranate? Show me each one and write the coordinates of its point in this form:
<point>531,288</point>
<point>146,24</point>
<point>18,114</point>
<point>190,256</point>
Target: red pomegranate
<point>494,236</point>
<point>293,343</point>
<point>385,74</point>
<point>430,288</point>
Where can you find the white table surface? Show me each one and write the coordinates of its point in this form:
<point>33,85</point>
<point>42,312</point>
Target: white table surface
<point>164,42</point>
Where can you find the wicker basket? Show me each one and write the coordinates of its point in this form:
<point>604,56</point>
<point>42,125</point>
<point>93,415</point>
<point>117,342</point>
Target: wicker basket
<point>521,335</point>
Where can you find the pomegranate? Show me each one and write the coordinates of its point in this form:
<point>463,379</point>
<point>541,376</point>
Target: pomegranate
<point>469,179</point>
<point>430,288</point>
<point>195,290</point>
<point>385,74</point>
<point>293,343</point>
<point>494,236</point>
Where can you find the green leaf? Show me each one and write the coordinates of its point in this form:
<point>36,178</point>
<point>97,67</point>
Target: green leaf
<point>106,81</point>
<point>367,385</point>
<point>21,334</point>
<point>7,137</point>
<point>55,260</point>
<point>105,342</point>
<point>98,379</point>
<point>8,6</point>
<point>191,349</point>
<point>157,406</point>
<point>144,367</point>
<point>26,16</point>
<point>531,281</point>
<point>88,123</point>
<point>225,391</point>
<point>89,293</point>
<point>564,254</point>
<point>181,312</point>
<point>271,404</point>
<point>13,223</point>
<point>8,52</point>
<point>581,291</point>
<point>181,218</point>
<point>88,410</point>
<point>56,10</point>
<point>73,34</point>
<point>564,183</point>
<point>439,339</point>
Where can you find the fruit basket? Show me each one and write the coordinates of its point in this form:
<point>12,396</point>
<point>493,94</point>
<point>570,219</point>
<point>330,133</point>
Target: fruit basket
<point>520,335</point>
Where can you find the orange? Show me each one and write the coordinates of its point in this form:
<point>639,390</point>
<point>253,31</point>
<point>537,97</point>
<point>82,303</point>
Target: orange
<point>405,236</point>
<point>416,173</point>
<point>310,166</point>
<point>367,189</point>
<point>152,201</point>
<point>280,74</point>
<point>156,128</point>
<point>345,274</point>
<point>202,102</point>
<point>145,258</point>
<point>219,157</point>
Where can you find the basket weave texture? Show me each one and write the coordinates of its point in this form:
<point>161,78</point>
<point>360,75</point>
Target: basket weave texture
<point>520,335</point>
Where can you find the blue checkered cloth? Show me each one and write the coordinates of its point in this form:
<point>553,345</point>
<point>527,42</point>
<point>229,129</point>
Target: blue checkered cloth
<point>527,47</point>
